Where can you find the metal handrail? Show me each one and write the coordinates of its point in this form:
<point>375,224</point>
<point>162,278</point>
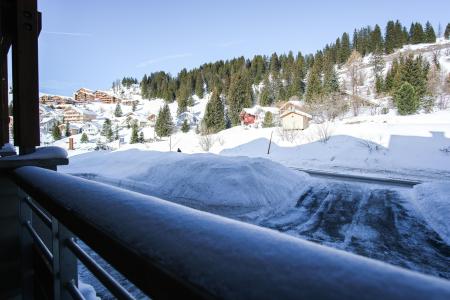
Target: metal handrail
<point>107,280</point>
<point>39,242</point>
<point>171,251</point>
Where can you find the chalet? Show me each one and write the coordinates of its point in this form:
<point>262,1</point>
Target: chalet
<point>191,119</point>
<point>247,118</point>
<point>151,120</point>
<point>91,128</point>
<point>255,115</point>
<point>84,95</point>
<point>76,114</point>
<point>129,102</point>
<point>55,100</point>
<point>106,97</point>
<point>295,119</point>
<point>73,128</point>
<point>290,106</point>
<point>47,124</point>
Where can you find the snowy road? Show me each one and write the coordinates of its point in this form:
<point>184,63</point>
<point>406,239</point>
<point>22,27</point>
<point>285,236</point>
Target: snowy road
<point>392,182</point>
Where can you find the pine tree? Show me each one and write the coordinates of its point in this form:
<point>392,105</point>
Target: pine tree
<point>430,35</point>
<point>133,105</point>
<point>268,120</point>
<point>199,85</point>
<point>164,124</point>
<point>118,111</point>
<point>345,48</point>
<point>185,127</point>
<point>416,33</point>
<point>447,32</point>
<point>376,39</point>
<point>415,72</point>
<point>405,99</point>
<point>134,134</point>
<point>67,133</point>
<point>56,132</point>
<point>84,138</point>
<point>239,96</point>
<point>107,130</point>
<point>214,119</point>
<point>314,85</point>
<point>265,98</point>
<point>330,80</point>
<point>141,138</point>
<point>389,38</point>
<point>116,133</point>
<point>378,64</point>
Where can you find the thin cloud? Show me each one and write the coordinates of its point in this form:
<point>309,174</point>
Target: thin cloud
<point>162,58</point>
<point>66,33</point>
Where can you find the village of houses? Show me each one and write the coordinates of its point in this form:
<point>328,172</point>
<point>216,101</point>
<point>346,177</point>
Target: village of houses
<point>87,110</point>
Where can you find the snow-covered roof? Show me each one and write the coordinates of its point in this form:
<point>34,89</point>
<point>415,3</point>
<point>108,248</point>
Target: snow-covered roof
<point>82,110</point>
<point>298,112</point>
<point>260,109</point>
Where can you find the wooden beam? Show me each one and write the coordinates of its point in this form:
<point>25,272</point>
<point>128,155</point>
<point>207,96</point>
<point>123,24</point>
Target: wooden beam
<point>25,76</point>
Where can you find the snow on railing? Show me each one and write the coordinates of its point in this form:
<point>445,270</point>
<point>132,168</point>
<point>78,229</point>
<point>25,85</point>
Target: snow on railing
<point>172,251</point>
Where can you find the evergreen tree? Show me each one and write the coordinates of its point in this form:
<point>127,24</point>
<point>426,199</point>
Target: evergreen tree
<point>67,133</point>
<point>116,133</point>
<point>239,96</point>
<point>185,127</point>
<point>416,34</point>
<point>164,124</point>
<point>134,134</point>
<point>405,99</point>
<point>430,35</point>
<point>415,72</point>
<point>199,85</point>
<point>447,32</point>
<point>268,120</point>
<point>330,80</point>
<point>118,111</point>
<point>107,130</point>
<point>376,39</point>
<point>345,48</point>
<point>56,132</point>
<point>389,37</point>
<point>84,138</point>
<point>378,64</point>
<point>141,138</point>
<point>214,119</point>
<point>274,64</point>
<point>133,105</point>
<point>265,98</point>
<point>314,85</point>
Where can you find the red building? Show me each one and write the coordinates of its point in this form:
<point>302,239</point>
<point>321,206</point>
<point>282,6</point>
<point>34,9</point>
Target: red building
<point>247,118</point>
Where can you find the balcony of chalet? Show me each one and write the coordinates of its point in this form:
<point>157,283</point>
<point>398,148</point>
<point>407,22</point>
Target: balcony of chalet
<point>168,251</point>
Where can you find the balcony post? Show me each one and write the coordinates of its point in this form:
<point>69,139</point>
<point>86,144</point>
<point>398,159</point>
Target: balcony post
<point>64,261</point>
<point>26,248</point>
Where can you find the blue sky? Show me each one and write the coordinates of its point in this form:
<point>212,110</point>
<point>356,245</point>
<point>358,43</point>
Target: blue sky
<point>89,43</point>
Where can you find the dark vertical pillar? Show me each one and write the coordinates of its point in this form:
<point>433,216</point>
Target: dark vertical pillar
<point>5,44</point>
<point>25,75</point>
<point>4,115</point>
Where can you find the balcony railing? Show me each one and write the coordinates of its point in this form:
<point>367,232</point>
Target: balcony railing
<point>171,251</point>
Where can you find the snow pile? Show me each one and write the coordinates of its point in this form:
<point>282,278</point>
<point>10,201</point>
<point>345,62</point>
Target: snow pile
<point>433,201</point>
<point>199,180</point>
<point>87,291</point>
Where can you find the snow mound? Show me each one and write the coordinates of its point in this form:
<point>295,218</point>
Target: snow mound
<point>201,180</point>
<point>433,201</point>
